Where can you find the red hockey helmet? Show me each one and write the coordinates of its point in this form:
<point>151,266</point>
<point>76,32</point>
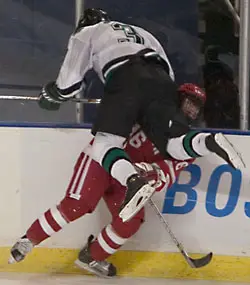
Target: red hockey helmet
<point>192,100</point>
<point>192,90</point>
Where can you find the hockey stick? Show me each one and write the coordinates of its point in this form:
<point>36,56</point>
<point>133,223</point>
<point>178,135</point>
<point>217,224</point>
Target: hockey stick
<point>194,263</point>
<point>27,98</point>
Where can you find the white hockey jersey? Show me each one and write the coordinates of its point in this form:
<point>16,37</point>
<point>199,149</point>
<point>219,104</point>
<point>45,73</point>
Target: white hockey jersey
<point>95,47</point>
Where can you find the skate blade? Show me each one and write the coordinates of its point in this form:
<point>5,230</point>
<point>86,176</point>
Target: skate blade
<point>11,260</point>
<point>136,203</point>
<point>85,266</point>
<point>233,154</point>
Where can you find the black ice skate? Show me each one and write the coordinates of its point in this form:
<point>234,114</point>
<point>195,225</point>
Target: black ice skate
<point>137,195</point>
<point>220,145</point>
<point>100,268</point>
<point>20,249</point>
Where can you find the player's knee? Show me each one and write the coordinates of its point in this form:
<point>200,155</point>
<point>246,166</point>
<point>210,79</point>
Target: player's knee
<point>73,209</point>
<point>128,229</point>
<point>103,142</point>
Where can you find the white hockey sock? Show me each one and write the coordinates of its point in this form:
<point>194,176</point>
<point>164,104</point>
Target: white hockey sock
<point>109,153</point>
<point>188,146</point>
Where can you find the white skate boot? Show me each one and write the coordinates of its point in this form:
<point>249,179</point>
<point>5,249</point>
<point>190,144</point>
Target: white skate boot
<point>220,145</point>
<point>137,195</point>
<point>20,249</point>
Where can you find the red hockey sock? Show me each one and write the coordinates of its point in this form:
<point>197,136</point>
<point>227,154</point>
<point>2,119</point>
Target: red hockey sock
<point>50,222</point>
<point>106,244</point>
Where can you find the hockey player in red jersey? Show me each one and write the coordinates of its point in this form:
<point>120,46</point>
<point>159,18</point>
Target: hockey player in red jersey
<point>90,182</point>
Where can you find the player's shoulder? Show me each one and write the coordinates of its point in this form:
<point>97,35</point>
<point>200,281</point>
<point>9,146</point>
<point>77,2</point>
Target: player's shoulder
<point>141,29</point>
<point>150,36</point>
<point>138,28</point>
<point>85,32</point>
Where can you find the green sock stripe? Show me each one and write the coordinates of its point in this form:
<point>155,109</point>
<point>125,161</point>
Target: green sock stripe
<point>112,156</point>
<point>187,144</point>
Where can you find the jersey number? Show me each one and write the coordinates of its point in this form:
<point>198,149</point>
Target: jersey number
<point>130,33</point>
<point>138,139</point>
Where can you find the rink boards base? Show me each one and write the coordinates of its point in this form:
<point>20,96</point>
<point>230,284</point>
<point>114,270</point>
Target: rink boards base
<point>133,264</point>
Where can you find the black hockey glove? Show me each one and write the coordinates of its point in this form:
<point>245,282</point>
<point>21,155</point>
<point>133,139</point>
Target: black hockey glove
<point>50,99</point>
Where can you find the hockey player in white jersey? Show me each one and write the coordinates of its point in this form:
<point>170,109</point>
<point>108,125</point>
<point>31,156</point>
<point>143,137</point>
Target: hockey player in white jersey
<point>139,88</point>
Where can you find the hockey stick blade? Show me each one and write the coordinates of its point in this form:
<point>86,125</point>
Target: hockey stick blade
<point>199,262</point>
<point>192,262</point>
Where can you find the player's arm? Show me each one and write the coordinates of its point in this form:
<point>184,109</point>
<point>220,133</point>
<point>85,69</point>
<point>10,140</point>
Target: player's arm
<point>70,78</point>
<point>163,55</point>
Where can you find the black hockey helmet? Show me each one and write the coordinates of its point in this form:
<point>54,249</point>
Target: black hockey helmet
<point>92,16</point>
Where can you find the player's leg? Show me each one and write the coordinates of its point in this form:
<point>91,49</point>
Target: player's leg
<point>93,256</point>
<point>116,116</point>
<point>118,112</point>
<point>85,189</point>
<point>182,143</point>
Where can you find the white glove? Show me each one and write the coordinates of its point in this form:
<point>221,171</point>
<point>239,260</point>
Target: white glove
<point>152,173</point>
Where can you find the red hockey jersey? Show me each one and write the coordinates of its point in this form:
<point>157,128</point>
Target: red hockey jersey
<point>141,149</point>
